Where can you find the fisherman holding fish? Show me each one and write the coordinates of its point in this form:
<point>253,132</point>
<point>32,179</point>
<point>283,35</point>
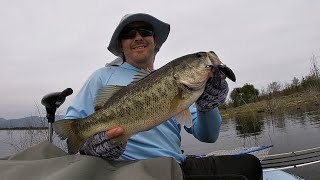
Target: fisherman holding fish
<point>149,106</point>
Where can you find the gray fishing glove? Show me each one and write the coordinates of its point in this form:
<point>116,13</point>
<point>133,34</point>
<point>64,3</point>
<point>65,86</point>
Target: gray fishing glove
<point>99,145</point>
<point>215,93</point>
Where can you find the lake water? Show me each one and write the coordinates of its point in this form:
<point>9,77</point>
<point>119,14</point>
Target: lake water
<point>286,132</point>
<point>296,131</point>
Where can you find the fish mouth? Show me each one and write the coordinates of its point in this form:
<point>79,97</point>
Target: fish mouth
<point>225,70</point>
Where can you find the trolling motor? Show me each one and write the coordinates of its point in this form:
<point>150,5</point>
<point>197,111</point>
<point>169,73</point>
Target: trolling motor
<point>52,101</point>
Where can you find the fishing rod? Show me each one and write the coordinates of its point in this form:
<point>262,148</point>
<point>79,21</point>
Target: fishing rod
<point>255,150</point>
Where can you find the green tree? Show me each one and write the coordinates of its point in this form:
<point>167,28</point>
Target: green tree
<point>246,94</point>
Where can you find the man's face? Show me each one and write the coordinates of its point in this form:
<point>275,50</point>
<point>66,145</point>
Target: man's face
<point>137,44</point>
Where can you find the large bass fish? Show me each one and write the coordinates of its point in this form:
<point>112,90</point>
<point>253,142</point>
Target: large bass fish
<point>151,99</point>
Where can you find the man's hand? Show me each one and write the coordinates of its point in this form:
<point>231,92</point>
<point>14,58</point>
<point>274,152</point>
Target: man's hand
<point>215,93</point>
<point>98,145</point>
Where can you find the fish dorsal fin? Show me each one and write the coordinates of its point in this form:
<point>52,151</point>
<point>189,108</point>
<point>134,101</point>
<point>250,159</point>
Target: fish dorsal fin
<point>104,94</point>
<point>141,74</point>
<point>184,118</point>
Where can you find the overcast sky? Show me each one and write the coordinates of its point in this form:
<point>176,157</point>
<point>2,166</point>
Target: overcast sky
<point>47,46</point>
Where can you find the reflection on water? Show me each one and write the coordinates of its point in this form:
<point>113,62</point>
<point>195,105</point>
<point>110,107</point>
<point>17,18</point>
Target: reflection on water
<point>254,123</point>
<point>291,131</point>
<point>249,125</point>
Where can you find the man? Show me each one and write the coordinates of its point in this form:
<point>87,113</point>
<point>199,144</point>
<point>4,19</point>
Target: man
<point>135,42</point>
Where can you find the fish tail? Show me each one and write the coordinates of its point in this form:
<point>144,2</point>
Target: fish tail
<point>67,129</point>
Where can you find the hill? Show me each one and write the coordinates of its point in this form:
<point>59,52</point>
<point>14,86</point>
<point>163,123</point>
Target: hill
<point>26,122</point>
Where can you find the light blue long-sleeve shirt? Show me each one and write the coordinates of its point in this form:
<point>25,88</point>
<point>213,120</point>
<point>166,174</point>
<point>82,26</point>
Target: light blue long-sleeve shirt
<point>162,140</point>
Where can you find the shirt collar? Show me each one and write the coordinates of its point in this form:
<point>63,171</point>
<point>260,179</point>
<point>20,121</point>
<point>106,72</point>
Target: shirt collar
<point>126,65</point>
<point>119,62</point>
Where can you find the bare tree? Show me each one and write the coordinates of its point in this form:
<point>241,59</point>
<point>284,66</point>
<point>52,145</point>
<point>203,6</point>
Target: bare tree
<point>274,87</point>
<point>295,82</point>
<point>22,139</point>
<point>314,69</point>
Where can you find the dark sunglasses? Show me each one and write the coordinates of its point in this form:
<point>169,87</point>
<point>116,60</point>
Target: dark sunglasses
<point>131,33</point>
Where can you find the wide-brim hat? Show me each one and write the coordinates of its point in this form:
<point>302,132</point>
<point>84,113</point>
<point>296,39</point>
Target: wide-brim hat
<point>160,29</point>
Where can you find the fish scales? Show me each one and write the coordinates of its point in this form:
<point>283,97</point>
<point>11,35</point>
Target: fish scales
<point>123,107</point>
<point>147,95</point>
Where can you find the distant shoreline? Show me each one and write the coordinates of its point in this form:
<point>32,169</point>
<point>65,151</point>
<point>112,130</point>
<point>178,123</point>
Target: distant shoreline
<point>274,105</point>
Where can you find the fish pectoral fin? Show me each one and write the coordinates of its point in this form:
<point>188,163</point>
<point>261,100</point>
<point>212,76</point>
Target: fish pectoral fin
<point>104,94</point>
<point>184,118</point>
<point>177,100</point>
